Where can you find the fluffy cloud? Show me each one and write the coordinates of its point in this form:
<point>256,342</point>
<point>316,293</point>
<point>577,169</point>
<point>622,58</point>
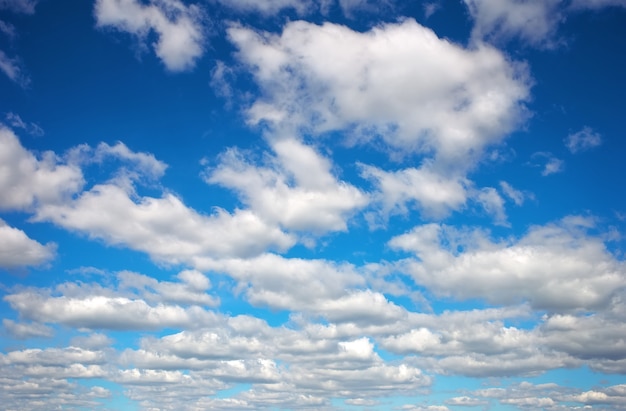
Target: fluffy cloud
<point>24,331</point>
<point>397,82</point>
<point>178,27</point>
<point>132,305</point>
<point>18,250</point>
<point>582,140</point>
<point>26,180</point>
<point>296,189</point>
<point>554,267</point>
<point>435,195</point>
<point>164,227</point>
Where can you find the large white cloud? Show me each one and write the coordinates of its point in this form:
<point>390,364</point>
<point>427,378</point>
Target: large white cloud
<point>177,25</point>
<point>554,267</point>
<point>399,82</point>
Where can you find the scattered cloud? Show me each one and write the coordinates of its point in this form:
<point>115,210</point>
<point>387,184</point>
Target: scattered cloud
<point>547,162</point>
<point>178,27</point>
<point>15,121</point>
<point>18,250</point>
<point>534,22</point>
<point>19,6</point>
<point>582,140</point>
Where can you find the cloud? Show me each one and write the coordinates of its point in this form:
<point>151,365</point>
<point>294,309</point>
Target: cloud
<point>518,197</point>
<point>269,7</point>
<point>132,306</point>
<point>177,26</point>
<point>398,82</point>
<point>295,188</point>
<point>164,228</point>
<point>582,140</point>
<point>25,331</point>
<point>18,250</point>
<point>13,69</point>
<point>554,267</point>
<point>16,121</point>
<point>548,163</point>
<point>435,195</point>
<point>534,22</point>
<point>19,6</point>
<point>26,180</point>
<point>493,204</point>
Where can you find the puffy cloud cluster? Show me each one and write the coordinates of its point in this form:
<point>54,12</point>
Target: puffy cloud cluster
<point>554,267</point>
<point>397,82</point>
<point>178,27</point>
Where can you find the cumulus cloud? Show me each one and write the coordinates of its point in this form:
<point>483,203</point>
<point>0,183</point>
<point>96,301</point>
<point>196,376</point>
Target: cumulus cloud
<point>138,302</point>
<point>398,82</point>
<point>554,267</point>
<point>24,331</point>
<point>295,189</point>
<point>18,250</point>
<point>518,197</point>
<point>178,27</point>
<point>26,180</point>
<point>434,194</point>
<point>164,228</point>
<point>582,140</point>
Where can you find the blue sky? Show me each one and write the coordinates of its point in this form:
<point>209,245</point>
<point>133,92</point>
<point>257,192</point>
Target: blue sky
<point>282,204</point>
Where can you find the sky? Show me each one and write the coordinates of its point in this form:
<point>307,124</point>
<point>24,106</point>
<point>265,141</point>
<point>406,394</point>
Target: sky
<point>316,204</point>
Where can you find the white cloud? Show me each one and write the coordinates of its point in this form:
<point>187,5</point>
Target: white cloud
<point>102,311</point>
<point>296,188</point>
<point>146,163</point>
<point>18,250</point>
<point>290,283</point>
<point>493,204</point>
<point>178,27</point>
<point>24,331</point>
<point>165,227</point>
<point>268,7</point>
<point>26,180</point>
<point>397,82</point>
<point>434,194</point>
<point>554,267</point>
<point>534,22</point>
<point>582,140</point>
<point>518,197</point>
<point>547,162</point>
<point>11,67</point>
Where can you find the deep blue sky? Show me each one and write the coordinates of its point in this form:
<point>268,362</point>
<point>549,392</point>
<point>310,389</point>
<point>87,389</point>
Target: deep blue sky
<point>312,205</point>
